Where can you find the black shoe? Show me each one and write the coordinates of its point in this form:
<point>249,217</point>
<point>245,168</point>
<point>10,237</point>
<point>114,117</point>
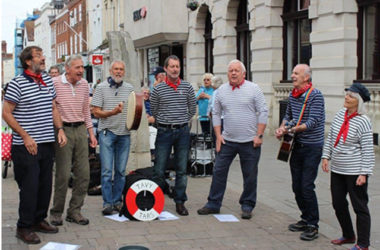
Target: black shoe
<point>310,233</point>
<point>207,210</point>
<point>181,209</point>
<point>246,215</point>
<point>298,227</point>
<point>107,210</point>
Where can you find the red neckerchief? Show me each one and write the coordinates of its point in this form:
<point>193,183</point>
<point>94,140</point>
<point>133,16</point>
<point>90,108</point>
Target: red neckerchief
<point>344,128</point>
<point>173,85</point>
<point>38,77</point>
<point>298,92</point>
<point>237,86</point>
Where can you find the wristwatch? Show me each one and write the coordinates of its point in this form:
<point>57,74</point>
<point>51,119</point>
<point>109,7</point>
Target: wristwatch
<point>59,128</point>
<point>260,136</point>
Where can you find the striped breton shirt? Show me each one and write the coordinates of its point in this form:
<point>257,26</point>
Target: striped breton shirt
<point>107,98</point>
<point>73,100</point>
<point>171,106</point>
<point>355,156</point>
<point>33,109</point>
<point>313,117</point>
<point>243,108</point>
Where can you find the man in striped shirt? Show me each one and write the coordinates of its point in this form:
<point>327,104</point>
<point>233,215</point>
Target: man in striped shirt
<point>307,150</point>
<point>173,105</point>
<point>74,107</point>
<point>114,138</point>
<point>245,116</point>
<point>30,110</point>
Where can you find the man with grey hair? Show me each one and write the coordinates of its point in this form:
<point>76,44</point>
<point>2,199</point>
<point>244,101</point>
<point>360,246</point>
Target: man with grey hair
<point>108,104</point>
<point>305,117</point>
<point>245,116</point>
<point>73,105</point>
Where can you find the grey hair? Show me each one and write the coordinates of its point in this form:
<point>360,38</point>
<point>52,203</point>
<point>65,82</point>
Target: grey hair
<point>216,81</point>
<point>307,69</point>
<point>237,61</point>
<point>361,106</point>
<point>118,61</point>
<point>71,59</point>
<point>207,75</point>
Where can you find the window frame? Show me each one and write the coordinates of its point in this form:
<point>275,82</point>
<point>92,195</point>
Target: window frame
<point>209,44</point>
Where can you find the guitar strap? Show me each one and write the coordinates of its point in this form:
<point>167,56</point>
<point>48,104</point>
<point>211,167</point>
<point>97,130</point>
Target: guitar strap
<point>304,105</point>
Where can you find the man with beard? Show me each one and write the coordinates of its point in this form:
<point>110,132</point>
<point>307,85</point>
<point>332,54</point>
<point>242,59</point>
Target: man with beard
<point>30,110</point>
<point>173,105</point>
<point>74,107</point>
<point>109,105</point>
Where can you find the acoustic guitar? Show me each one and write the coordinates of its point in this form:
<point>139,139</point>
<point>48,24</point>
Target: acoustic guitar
<point>286,145</point>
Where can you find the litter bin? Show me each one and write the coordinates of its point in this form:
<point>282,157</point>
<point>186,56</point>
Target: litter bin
<point>283,106</point>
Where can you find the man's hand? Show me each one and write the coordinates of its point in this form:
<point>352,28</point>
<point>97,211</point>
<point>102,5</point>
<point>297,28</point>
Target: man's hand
<point>30,144</point>
<point>257,142</point>
<point>61,137</point>
<point>280,132</point>
<point>219,141</point>
<point>325,165</point>
<point>118,109</point>
<point>93,141</point>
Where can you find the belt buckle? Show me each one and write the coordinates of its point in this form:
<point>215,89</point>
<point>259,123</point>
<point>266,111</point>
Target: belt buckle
<point>172,126</point>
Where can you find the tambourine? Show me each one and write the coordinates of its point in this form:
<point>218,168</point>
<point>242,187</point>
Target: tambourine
<point>135,109</point>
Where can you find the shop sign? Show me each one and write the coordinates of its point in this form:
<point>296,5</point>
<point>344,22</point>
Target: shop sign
<point>97,59</point>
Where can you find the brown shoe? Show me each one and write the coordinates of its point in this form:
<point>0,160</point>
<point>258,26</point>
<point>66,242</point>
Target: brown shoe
<point>181,209</point>
<point>56,220</point>
<point>45,227</point>
<point>77,218</point>
<point>27,235</point>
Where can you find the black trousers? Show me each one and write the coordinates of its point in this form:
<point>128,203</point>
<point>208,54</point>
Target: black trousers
<point>340,186</point>
<point>33,174</point>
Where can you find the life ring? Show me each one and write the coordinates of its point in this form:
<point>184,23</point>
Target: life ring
<point>145,189</point>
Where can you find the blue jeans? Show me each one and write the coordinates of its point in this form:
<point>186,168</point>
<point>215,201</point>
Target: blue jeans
<point>114,151</point>
<point>179,139</point>
<point>304,164</point>
<point>249,159</point>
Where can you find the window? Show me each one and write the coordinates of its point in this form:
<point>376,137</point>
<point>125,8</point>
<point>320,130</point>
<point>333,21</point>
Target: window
<point>75,44</point>
<point>368,46</point>
<point>71,45</point>
<point>209,45</point>
<point>296,35</point>
<point>80,13</point>
<point>243,36</point>
<point>80,41</point>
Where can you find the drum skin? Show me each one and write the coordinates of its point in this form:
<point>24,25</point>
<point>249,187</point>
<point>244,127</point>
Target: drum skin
<point>135,109</point>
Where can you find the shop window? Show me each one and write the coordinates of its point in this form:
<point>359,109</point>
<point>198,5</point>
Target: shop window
<point>209,45</point>
<point>368,46</point>
<point>243,37</point>
<point>296,35</point>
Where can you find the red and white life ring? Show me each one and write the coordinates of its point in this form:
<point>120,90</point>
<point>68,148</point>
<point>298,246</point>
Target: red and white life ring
<point>145,185</point>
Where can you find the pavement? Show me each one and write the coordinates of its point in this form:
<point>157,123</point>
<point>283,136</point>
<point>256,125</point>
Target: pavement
<point>267,229</point>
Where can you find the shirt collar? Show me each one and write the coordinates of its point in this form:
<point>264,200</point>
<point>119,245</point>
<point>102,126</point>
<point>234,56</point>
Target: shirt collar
<point>64,79</point>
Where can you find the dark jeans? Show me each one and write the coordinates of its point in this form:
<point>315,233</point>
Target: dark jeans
<point>249,159</point>
<point>340,186</point>
<point>179,139</point>
<point>304,164</point>
<point>33,174</point>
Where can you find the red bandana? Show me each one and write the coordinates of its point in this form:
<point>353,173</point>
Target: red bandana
<point>38,77</point>
<point>298,92</point>
<point>344,128</point>
<point>173,85</point>
<point>237,86</point>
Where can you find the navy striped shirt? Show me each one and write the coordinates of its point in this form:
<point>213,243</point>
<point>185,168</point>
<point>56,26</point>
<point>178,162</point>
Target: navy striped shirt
<point>313,117</point>
<point>356,155</point>
<point>171,106</point>
<point>34,110</point>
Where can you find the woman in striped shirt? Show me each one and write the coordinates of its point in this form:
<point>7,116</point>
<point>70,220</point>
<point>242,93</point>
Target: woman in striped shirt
<point>349,150</point>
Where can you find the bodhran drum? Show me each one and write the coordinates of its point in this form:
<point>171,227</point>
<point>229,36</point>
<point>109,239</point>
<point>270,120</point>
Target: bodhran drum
<point>135,109</point>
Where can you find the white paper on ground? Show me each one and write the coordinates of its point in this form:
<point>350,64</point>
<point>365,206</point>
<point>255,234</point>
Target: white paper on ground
<point>59,246</point>
<point>116,217</point>
<point>226,217</point>
<point>167,216</point>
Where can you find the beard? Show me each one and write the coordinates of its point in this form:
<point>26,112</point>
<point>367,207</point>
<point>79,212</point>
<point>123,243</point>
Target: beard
<point>117,79</point>
<point>36,67</point>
